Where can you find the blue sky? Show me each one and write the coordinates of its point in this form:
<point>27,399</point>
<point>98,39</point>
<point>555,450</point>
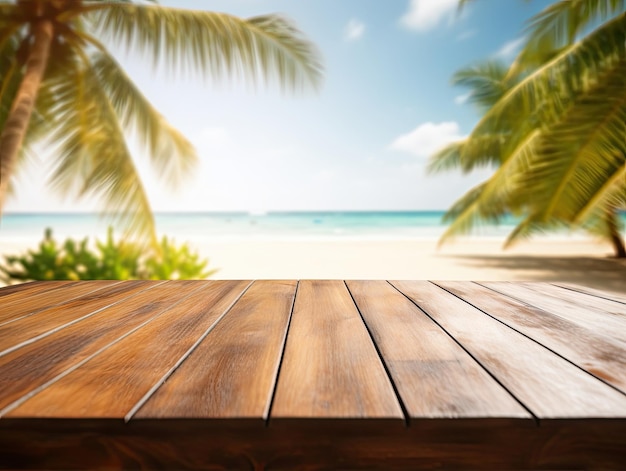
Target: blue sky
<point>360,143</point>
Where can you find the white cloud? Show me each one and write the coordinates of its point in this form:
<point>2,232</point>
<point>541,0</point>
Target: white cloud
<point>424,15</point>
<point>462,99</point>
<point>510,48</point>
<point>427,138</point>
<point>354,30</point>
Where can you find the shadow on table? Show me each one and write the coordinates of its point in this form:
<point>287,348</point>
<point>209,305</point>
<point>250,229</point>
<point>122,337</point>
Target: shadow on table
<point>601,273</point>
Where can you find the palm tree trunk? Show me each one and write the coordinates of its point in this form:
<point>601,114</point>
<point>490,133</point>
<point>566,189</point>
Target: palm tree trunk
<point>614,235</point>
<point>17,121</point>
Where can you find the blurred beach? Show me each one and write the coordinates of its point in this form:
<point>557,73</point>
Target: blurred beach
<point>351,245</point>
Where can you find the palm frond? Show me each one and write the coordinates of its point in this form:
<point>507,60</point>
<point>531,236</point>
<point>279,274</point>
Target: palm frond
<point>610,194</point>
<point>488,82</point>
<point>483,150</point>
<point>214,44</point>
<point>447,158</point>
<point>470,153</point>
<point>531,58</point>
<point>562,21</point>
<point>528,227</point>
<point>495,197</point>
<point>505,188</point>
<point>579,154</point>
<point>558,25</point>
<point>469,212</point>
<point>92,155</point>
<point>562,79</point>
<point>172,154</point>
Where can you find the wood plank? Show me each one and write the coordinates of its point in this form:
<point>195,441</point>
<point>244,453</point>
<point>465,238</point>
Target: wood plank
<point>232,373</point>
<point>607,320</point>
<point>598,354</point>
<point>24,306</point>
<point>612,295</point>
<point>549,386</point>
<point>31,287</point>
<point>112,383</point>
<point>427,366</point>
<point>608,307</point>
<point>330,366</point>
<point>28,329</point>
<point>24,371</point>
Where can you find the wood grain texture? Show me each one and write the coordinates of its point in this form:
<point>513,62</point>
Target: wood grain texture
<point>27,329</point>
<point>598,354</point>
<point>610,308</point>
<point>609,320</point>
<point>548,385</point>
<point>426,365</point>
<point>25,370</point>
<point>611,295</point>
<point>29,288</point>
<point>232,373</point>
<point>330,367</point>
<point>21,306</point>
<point>112,383</point>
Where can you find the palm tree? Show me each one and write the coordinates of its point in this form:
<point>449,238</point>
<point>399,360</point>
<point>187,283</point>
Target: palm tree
<point>563,123</point>
<point>60,83</point>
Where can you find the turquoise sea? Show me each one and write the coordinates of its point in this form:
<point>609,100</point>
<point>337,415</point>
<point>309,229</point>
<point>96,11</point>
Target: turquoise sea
<point>250,226</point>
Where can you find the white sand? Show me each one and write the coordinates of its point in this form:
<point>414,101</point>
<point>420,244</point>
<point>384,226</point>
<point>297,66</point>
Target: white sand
<point>584,262</point>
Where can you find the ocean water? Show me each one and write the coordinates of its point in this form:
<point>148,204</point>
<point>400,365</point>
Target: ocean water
<point>420,225</point>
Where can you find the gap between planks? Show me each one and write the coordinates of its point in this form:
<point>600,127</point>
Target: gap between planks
<point>551,350</point>
<point>551,387</point>
<point>40,294</point>
<point>268,412</point>
<point>580,308</point>
<point>331,368</point>
<point>180,361</point>
<point>591,292</point>
<point>37,390</point>
<point>495,378</point>
<point>74,321</point>
<point>405,412</point>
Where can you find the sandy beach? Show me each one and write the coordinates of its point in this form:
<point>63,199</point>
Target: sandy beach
<point>585,262</point>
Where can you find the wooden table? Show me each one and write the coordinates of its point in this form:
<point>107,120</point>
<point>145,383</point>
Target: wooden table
<point>311,375</point>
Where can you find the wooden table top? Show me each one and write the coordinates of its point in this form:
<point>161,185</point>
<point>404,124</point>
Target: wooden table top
<point>312,374</point>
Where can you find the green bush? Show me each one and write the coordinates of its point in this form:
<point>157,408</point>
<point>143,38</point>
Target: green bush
<point>110,260</point>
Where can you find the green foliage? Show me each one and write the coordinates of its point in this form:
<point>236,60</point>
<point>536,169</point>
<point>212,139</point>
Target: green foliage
<point>110,260</point>
<point>175,263</point>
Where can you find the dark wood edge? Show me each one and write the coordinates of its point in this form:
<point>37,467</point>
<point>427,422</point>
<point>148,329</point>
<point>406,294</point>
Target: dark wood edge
<point>312,444</point>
